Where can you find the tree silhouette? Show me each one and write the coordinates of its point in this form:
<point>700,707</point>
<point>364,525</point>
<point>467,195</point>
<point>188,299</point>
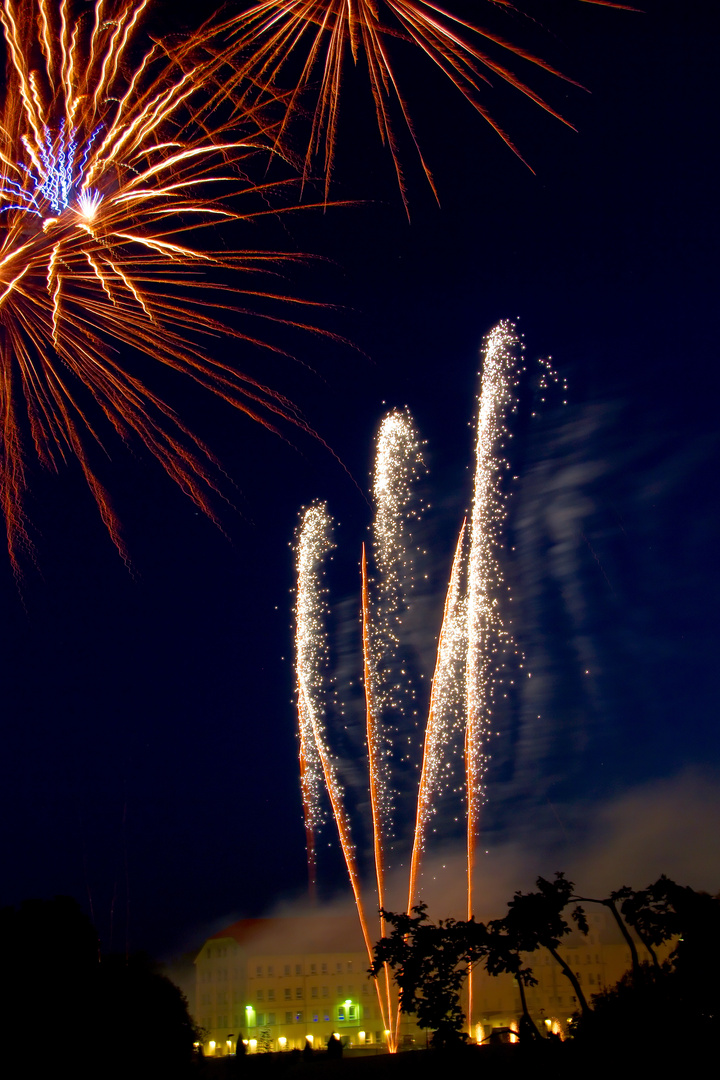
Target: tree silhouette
<point>430,962</point>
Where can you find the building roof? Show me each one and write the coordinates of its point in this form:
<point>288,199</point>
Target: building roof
<point>305,934</point>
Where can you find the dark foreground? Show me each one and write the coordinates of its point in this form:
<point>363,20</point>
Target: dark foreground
<point>557,1061</point>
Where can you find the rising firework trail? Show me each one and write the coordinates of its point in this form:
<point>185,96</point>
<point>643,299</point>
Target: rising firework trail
<point>317,764</point>
<point>443,713</point>
<point>486,636</point>
<point>387,600</point>
<point>314,541</point>
<point>471,646</point>
<point>323,36</point>
<point>107,180</point>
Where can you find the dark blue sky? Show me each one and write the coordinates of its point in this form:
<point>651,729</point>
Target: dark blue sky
<point>149,762</point>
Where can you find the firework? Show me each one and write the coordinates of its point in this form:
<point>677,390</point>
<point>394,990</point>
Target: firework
<point>446,687</point>
<point>485,631</point>
<point>471,645</point>
<point>327,34</point>
<point>106,181</point>
<point>389,691</point>
<point>313,543</point>
<point>317,765</point>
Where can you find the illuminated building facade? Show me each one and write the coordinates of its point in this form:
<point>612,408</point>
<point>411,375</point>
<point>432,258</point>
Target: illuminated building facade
<point>279,983</point>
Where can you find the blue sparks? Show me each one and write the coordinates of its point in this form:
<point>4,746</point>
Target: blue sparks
<point>54,178</point>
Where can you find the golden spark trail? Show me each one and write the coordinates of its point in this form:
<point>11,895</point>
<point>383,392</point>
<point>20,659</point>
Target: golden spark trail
<point>388,689</point>
<point>316,761</point>
<point>484,624</point>
<point>376,775</point>
<point>313,543</point>
<point>443,695</point>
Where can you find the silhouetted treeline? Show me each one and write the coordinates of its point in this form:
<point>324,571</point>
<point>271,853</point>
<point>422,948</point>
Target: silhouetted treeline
<point>64,1007</point>
<point>656,1003</point>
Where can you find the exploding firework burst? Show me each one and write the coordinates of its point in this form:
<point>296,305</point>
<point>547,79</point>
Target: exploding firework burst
<point>106,181</point>
<point>325,35</point>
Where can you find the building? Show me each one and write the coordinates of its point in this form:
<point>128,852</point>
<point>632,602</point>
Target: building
<point>280,983</point>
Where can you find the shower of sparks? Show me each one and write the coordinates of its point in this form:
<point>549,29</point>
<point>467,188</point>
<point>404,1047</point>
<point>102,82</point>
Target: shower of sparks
<point>114,152</point>
<point>327,33</point>
<point>317,764</point>
<point>389,691</point>
<point>472,645</point>
<point>447,684</point>
<point>486,635</point>
<point>314,541</point>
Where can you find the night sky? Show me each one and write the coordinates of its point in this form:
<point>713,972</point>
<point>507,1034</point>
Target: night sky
<point>149,760</point>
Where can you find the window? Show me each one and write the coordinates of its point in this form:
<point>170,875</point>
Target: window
<point>313,991</point>
<point>258,970</point>
<point>323,968</point>
<point>288,1017</point>
<point>286,969</point>
<point>298,1017</point>
<point>341,1012</point>
<point>349,965</point>
<point>338,968</point>
<point>261,995</point>
<point>298,993</point>
<point>364,989</point>
<point>313,969</point>
<point>339,991</point>
<point>326,1017</point>
<point>271,995</point>
<point>352,1012</point>
<point>326,991</point>
<point>271,1018</point>
<point>315,1018</point>
<point>271,970</point>
<point>298,969</point>
<point>286,993</point>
